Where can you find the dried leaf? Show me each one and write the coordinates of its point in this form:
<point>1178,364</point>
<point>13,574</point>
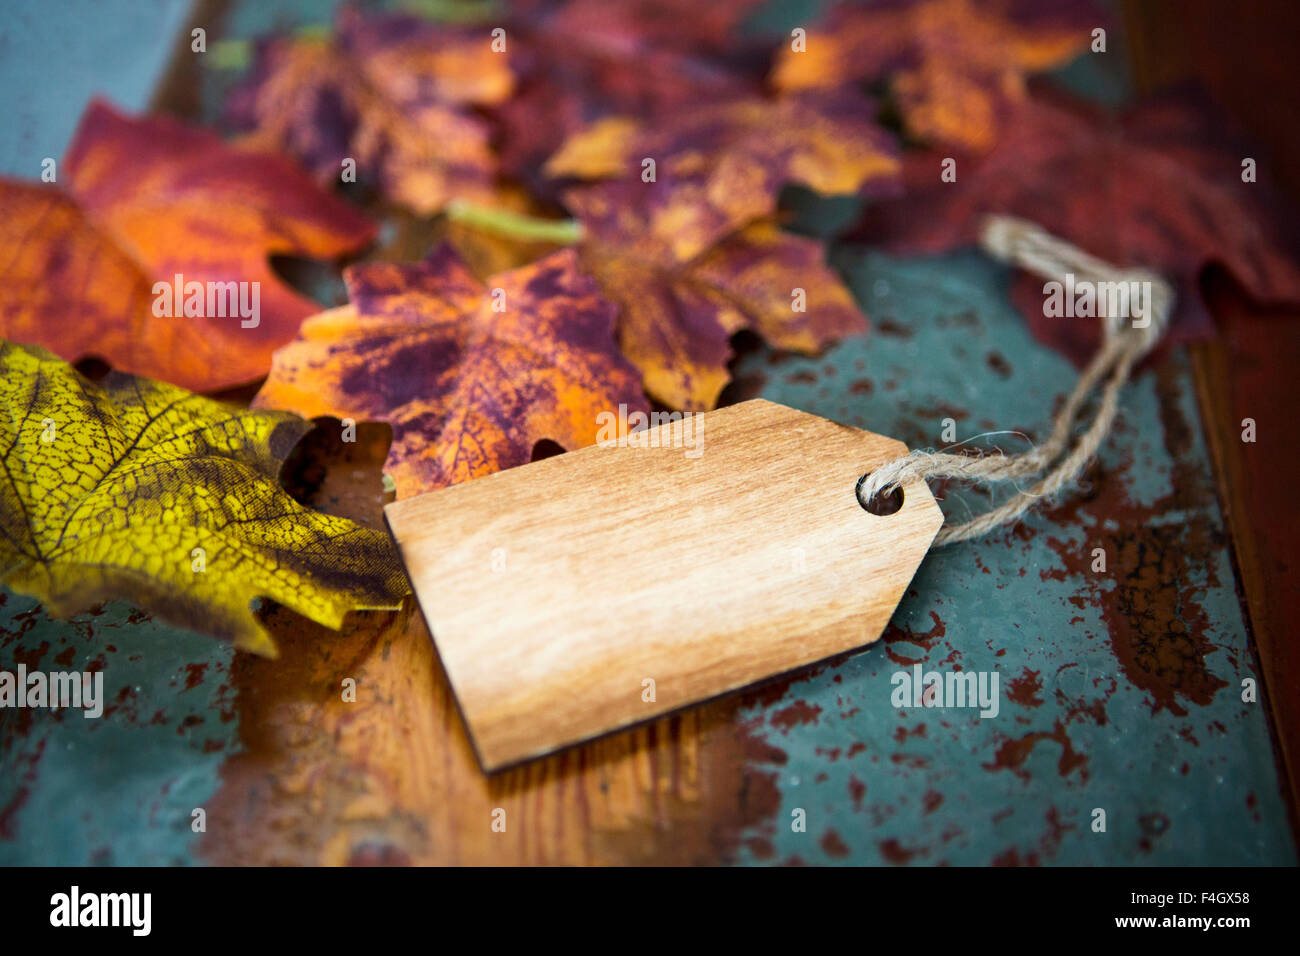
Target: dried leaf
<point>954,66</point>
<point>466,389</point>
<point>733,158</point>
<point>580,60</point>
<point>393,93</point>
<point>146,200</point>
<point>684,25</point>
<point>685,286</point>
<point>1149,188</point>
<point>134,489</point>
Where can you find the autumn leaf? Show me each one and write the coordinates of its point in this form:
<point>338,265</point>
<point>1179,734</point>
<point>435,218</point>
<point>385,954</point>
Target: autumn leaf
<point>146,200</point>
<point>581,60</point>
<point>1159,187</point>
<point>683,25</point>
<point>954,67</point>
<point>138,490</point>
<point>469,377</point>
<point>393,93</point>
<point>684,287</point>
<point>733,158</point>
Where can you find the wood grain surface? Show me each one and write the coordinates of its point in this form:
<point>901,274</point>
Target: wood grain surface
<point>1247,372</point>
<point>595,590</point>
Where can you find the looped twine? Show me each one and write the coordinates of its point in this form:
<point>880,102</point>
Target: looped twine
<point>1025,244</point>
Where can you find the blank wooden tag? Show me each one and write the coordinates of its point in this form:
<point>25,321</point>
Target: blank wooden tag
<point>596,589</point>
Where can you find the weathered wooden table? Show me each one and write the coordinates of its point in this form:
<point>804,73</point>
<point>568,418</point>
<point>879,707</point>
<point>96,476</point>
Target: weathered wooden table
<point>1122,690</point>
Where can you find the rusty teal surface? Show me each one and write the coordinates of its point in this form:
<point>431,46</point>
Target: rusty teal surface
<point>1120,691</point>
<point>120,789</point>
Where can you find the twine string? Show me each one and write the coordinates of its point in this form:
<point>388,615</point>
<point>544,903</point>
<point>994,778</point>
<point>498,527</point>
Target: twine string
<point>1027,245</point>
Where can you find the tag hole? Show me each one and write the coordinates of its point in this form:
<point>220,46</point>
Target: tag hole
<point>882,505</point>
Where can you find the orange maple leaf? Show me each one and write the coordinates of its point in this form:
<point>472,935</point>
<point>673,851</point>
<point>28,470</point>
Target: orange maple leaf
<point>146,200</point>
<point>683,293</point>
<point>469,377</point>
<point>392,93</point>
<point>954,65</point>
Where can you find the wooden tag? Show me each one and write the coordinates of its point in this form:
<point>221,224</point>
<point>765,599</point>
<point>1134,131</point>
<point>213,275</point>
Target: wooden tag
<point>600,588</point>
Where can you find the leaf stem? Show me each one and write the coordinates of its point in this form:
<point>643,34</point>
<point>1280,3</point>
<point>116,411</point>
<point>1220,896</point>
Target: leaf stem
<point>236,53</point>
<point>452,11</point>
<point>513,224</point>
<point>230,55</point>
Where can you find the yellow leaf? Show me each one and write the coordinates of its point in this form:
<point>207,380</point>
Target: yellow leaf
<point>602,149</point>
<point>139,490</point>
